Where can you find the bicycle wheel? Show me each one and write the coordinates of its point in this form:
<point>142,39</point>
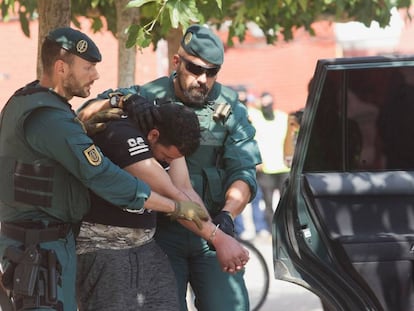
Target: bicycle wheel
<point>256,276</point>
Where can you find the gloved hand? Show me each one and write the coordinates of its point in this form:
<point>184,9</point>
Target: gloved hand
<point>190,211</point>
<point>141,111</point>
<point>97,123</point>
<point>225,221</point>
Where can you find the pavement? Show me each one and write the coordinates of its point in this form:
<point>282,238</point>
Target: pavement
<point>284,296</point>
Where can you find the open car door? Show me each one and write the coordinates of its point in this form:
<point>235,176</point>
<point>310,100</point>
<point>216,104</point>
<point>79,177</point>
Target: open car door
<point>344,226</point>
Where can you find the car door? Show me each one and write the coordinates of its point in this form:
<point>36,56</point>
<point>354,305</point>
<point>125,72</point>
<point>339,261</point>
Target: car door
<point>344,226</point>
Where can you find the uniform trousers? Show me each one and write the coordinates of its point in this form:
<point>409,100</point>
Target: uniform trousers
<point>193,262</point>
<point>131,279</point>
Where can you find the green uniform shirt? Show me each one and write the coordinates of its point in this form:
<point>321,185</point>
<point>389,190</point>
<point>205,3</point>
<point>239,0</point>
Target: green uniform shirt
<point>40,133</point>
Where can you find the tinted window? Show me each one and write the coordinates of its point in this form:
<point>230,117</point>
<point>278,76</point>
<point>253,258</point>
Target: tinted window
<point>364,121</point>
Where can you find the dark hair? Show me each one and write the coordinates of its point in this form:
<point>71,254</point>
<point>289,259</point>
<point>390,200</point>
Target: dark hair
<point>266,94</point>
<point>178,127</point>
<point>51,52</point>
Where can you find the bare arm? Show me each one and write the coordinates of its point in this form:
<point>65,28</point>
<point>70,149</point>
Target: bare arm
<point>237,197</point>
<point>189,211</point>
<point>151,172</point>
<point>230,253</point>
<point>93,107</point>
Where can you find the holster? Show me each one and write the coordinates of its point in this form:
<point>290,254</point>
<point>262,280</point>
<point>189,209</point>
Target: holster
<point>26,269</point>
<point>32,276</point>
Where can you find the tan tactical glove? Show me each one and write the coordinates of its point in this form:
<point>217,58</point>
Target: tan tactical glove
<point>189,211</point>
<point>97,123</point>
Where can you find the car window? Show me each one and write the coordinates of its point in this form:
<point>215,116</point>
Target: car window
<point>364,121</point>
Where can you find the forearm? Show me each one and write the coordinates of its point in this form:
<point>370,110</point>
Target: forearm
<point>208,229</point>
<point>88,111</point>
<point>159,203</point>
<point>237,197</point>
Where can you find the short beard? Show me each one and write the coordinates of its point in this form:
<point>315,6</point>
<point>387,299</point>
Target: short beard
<point>73,88</point>
<point>193,97</point>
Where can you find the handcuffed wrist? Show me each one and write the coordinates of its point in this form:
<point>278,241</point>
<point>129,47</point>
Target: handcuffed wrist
<point>213,234</point>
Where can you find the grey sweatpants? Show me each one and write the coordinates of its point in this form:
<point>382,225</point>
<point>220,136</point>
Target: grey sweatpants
<point>135,279</point>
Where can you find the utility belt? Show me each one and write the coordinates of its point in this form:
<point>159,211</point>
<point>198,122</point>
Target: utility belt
<point>34,232</point>
<point>33,274</point>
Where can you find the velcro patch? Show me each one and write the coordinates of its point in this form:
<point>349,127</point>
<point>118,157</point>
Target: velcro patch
<point>93,155</point>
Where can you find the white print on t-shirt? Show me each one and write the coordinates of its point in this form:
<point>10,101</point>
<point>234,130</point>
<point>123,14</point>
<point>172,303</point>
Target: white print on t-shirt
<point>137,146</point>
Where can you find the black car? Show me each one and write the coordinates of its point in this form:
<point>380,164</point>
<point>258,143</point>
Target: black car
<point>344,226</point>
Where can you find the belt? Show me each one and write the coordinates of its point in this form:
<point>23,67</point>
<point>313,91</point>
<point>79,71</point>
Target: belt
<point>32,233</point>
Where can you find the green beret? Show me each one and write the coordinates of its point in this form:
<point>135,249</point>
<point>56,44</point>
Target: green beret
<point>203,43</point>
<point>76,42</point>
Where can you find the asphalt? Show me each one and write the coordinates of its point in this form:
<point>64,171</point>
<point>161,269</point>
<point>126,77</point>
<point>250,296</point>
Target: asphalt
<point>284,296</point>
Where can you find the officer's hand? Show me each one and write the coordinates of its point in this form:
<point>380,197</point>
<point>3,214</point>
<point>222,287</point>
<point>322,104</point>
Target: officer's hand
<point>190,211</point>
<point>141,111</point>
<point>97,122</point>
<point>225,221</point>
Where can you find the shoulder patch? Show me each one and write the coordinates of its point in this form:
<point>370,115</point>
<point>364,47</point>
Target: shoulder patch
<point>93,155</point>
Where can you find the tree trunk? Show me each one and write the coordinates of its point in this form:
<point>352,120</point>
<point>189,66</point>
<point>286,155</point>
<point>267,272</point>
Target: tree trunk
<point>126,57</point>
<point>52,14</point>
<point>173,39</point>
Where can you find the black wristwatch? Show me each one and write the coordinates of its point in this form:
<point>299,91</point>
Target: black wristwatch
<point>114,100</point>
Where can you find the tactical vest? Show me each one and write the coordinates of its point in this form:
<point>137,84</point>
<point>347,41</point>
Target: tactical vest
<point>31,185</point>
<point>205,165</point>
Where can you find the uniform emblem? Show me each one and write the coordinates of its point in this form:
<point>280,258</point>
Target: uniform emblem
<point>82,46</point>
<point>187,38</point>
<point>93,155</point>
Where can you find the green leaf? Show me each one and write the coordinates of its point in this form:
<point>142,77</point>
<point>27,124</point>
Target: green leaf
<point>132,35</point>
<point>219,4</point>
<point>174,17</point>
<point>24,23</point>
<point>303,4</point>
<point>138,3</point>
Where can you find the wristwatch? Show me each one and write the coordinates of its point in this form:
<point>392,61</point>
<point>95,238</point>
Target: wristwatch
<point>114,100</point>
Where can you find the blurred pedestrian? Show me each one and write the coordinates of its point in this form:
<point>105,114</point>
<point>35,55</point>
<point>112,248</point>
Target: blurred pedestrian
<point>294,120</point>
<point>271,127</point>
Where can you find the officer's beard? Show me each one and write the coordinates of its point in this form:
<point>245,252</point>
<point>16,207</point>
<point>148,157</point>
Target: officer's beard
<point>72,87</point>
<point>195,95</point>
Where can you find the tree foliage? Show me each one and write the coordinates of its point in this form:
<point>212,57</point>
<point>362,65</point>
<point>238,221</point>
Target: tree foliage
<point>26,10</point>
<point>274,17</point>
<point>152,20</point>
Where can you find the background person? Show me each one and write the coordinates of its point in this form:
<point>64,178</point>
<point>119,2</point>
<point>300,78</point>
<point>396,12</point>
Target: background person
<point>271,127</point>
<point>255,210</point>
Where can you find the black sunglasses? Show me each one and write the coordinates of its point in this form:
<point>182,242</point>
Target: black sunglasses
<point>199,70</point>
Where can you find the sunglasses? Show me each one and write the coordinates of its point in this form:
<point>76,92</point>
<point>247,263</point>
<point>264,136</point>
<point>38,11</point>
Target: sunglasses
<point>199,70</point>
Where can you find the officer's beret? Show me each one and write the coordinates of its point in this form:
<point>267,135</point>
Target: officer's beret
<point>203,43</point>
<point>76,42</point>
